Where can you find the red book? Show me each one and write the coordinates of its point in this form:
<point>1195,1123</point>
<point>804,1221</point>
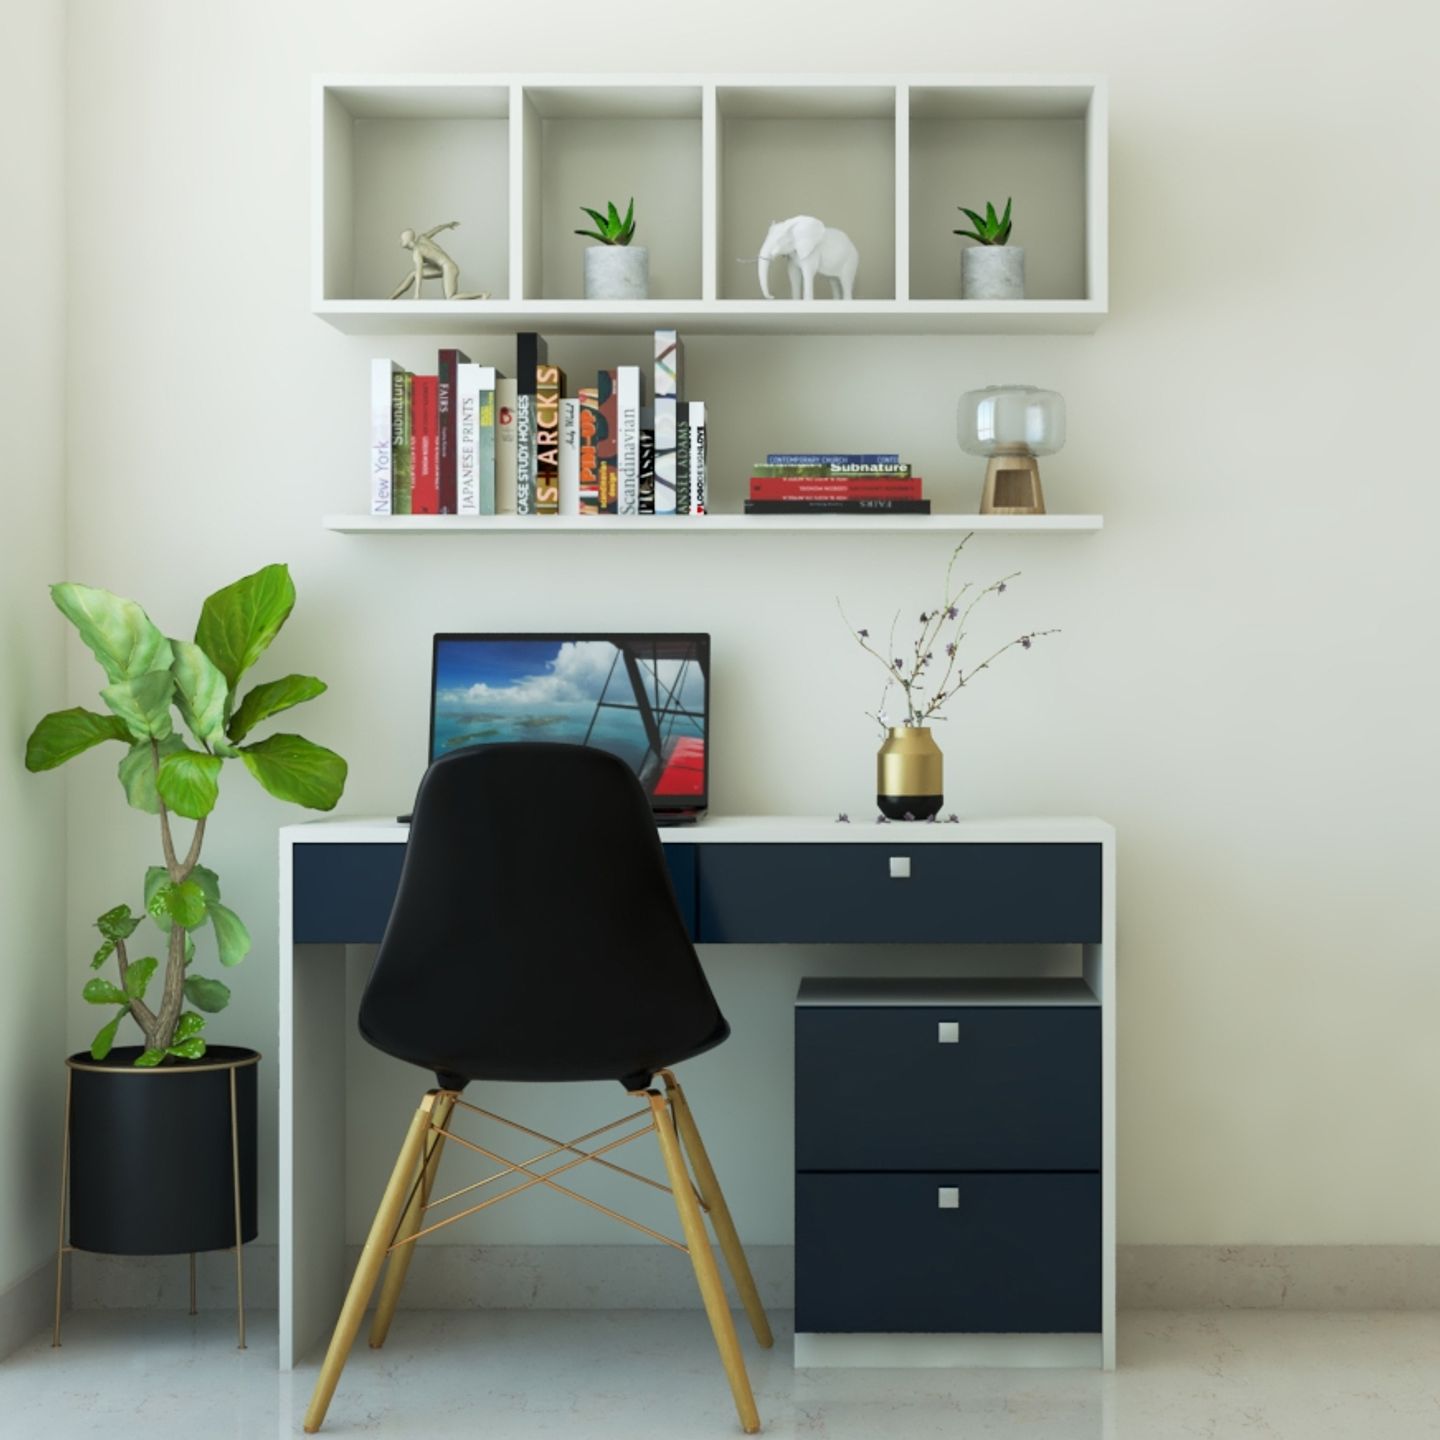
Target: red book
<point>769,487</point>
<point>447,437</point>
<point>424,432</point>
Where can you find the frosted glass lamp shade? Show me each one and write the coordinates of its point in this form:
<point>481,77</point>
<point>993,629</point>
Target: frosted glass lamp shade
<point>1011,420</point>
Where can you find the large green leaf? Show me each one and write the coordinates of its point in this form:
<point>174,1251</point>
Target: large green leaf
<point>191,1049</point>
<point>137,977</point>
<point>270,699</point>
<point>118,923</point>
<point>189,783</point>
<point>184,904</point>
<point>231,936</point>
<point>143,703</point>
<point>207,994</point>
<point>63,735</point>
<point>295,769</point>
<point>118,631</point>
<point>137,772</point>
<point>238,622</point>
<point>102,992</point>
<point>189,1024</point>
<point>106,950</point>
<point>208,881</point>
<point>200,692</point>
<point>105,1036</point>
<point>147,1059</point>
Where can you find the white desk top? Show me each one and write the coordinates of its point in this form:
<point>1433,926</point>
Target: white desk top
<point>773,830</point>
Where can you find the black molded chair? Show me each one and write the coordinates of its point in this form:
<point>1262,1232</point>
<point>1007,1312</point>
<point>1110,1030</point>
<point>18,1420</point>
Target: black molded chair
<point>535,936</point>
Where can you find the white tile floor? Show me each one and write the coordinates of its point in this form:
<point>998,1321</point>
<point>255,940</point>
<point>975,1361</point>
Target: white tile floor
<point>510,1375</point>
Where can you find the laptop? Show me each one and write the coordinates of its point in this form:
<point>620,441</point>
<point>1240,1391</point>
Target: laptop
<point>643,697</point>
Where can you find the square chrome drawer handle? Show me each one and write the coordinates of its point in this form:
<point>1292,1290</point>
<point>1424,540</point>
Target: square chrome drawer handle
<point>949,1197</point>
<point>949,1032</point>
<point>899,867</point>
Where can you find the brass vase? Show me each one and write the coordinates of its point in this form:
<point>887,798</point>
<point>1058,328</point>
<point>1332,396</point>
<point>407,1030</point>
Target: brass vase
<point>909,774</point>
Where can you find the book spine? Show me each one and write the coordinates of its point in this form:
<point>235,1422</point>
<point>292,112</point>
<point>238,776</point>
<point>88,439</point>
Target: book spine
<point>400,442</point>
<point>467,422</point>
<point>607,436</point>
<point>530,354</point>
<point>836,507</point>
<point>699,486</point>
<point>866,471</point>
<point>763,488</point>
<point>669,385</point>
<point>506,461</point>
<point>425,493</point>
<point>570,457</point>
<point>485,383</point>
<point>627,409</point>
<point>382,437</point>
<point>589,467</point>
<point>682,458</point>
<point>447,438</point>
<point>816,458</point>
<point>647,471</point>
<point>549,386</point>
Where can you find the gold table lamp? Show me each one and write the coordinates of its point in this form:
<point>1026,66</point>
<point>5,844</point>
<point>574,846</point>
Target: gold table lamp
<point>1013,425</point>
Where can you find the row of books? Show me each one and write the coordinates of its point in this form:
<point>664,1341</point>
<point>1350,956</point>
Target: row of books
<point>835,483</point>
<point>470,440</point>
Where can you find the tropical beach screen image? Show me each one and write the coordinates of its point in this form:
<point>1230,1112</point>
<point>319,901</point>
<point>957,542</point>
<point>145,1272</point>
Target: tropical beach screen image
<point>640,697</point>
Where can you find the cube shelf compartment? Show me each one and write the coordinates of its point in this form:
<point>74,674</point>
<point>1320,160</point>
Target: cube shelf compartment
<point>711,161</point>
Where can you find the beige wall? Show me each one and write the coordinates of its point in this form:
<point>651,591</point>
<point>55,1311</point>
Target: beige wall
<point>32,810</point>
<point>1245,684</point>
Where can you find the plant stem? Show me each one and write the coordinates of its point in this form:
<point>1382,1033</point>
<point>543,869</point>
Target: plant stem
<point>161,1031</point>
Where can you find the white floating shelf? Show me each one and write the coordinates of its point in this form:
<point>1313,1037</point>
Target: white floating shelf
<point>713,317</point>
<point>704,524</point>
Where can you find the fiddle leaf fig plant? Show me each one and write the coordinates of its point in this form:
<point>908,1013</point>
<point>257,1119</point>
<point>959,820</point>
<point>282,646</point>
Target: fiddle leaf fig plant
<point>990,228</point>
<point>173,705</point>
<point>610,228</point>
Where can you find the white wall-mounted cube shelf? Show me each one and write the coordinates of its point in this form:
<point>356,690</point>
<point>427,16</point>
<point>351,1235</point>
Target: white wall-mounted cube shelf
<point>707,524</point>
<point>710,161</point>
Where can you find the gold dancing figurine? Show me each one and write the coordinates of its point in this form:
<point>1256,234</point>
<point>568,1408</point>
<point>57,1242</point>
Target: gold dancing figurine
<point>432,263</point>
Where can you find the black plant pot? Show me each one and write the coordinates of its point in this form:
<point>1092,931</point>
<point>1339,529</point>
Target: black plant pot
<point>152,1168</point>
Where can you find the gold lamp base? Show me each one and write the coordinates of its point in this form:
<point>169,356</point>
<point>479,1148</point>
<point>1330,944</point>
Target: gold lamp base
<point>1012,485</point>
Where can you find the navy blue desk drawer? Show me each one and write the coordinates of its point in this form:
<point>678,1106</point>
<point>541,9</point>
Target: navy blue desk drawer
<point>343,893</point>
<point>1018,1089</point>
<point>974,893</point>
<point>1011,1253</point>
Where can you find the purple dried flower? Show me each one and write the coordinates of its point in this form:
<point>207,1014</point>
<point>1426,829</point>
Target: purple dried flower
<point>1000,588</point>
<point>1025,641</point>
<point>951,613</point>
<point>950,650</point>
<point>899,663</point>
<point>924,618</point>
<point>863,634</point>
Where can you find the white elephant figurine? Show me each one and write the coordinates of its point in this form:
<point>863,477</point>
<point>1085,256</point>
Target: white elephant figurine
<point>810,247</point>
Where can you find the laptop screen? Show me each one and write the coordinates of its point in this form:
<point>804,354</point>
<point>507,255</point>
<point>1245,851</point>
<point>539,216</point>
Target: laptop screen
<point>645,698</point>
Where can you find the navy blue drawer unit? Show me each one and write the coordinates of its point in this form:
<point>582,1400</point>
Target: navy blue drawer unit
<point>947,1088</point>
<point>947,1155</point>
<point>994,1254</point>
<point>849,893</point>
<point>343,893</point>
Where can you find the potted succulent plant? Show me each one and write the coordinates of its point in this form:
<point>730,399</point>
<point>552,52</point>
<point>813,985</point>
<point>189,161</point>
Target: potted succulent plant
<point>909,769</point>
<point>992,268</point>
<point>614,268</point>
<point>161,1135</point>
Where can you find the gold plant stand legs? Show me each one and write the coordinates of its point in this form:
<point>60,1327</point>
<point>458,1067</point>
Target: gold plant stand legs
<point>402,1253</point>
<point>372,1257</point>
<point>710,1193</point>
<point>707,1273</point>
<point>60,1245</point>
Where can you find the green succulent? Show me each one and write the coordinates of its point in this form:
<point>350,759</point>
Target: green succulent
<point>990,228</point>
<point>610,229</point>
<point>171,766</point>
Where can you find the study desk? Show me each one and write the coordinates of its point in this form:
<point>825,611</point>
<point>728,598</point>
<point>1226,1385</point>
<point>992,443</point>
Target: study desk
<point>738,880</point>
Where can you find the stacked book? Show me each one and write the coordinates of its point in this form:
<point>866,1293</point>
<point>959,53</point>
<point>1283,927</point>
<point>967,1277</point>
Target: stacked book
<point>470,440</point>
<point>789,484</point>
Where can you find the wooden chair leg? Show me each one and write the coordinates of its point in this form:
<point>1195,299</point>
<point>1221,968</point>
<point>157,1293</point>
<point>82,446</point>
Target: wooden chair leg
<point>372,1257</point>
<point>400,1258</point>
<point>707,1273</point>
<point>710,1192</point>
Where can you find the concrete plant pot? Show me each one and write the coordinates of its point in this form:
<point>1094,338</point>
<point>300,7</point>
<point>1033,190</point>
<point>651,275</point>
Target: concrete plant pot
<point>992,272</point>
<point>617,272</point>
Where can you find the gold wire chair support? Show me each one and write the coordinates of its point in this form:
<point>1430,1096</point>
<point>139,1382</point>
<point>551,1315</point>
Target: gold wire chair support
<point>561,1145</point>
<point>545,1179</point>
